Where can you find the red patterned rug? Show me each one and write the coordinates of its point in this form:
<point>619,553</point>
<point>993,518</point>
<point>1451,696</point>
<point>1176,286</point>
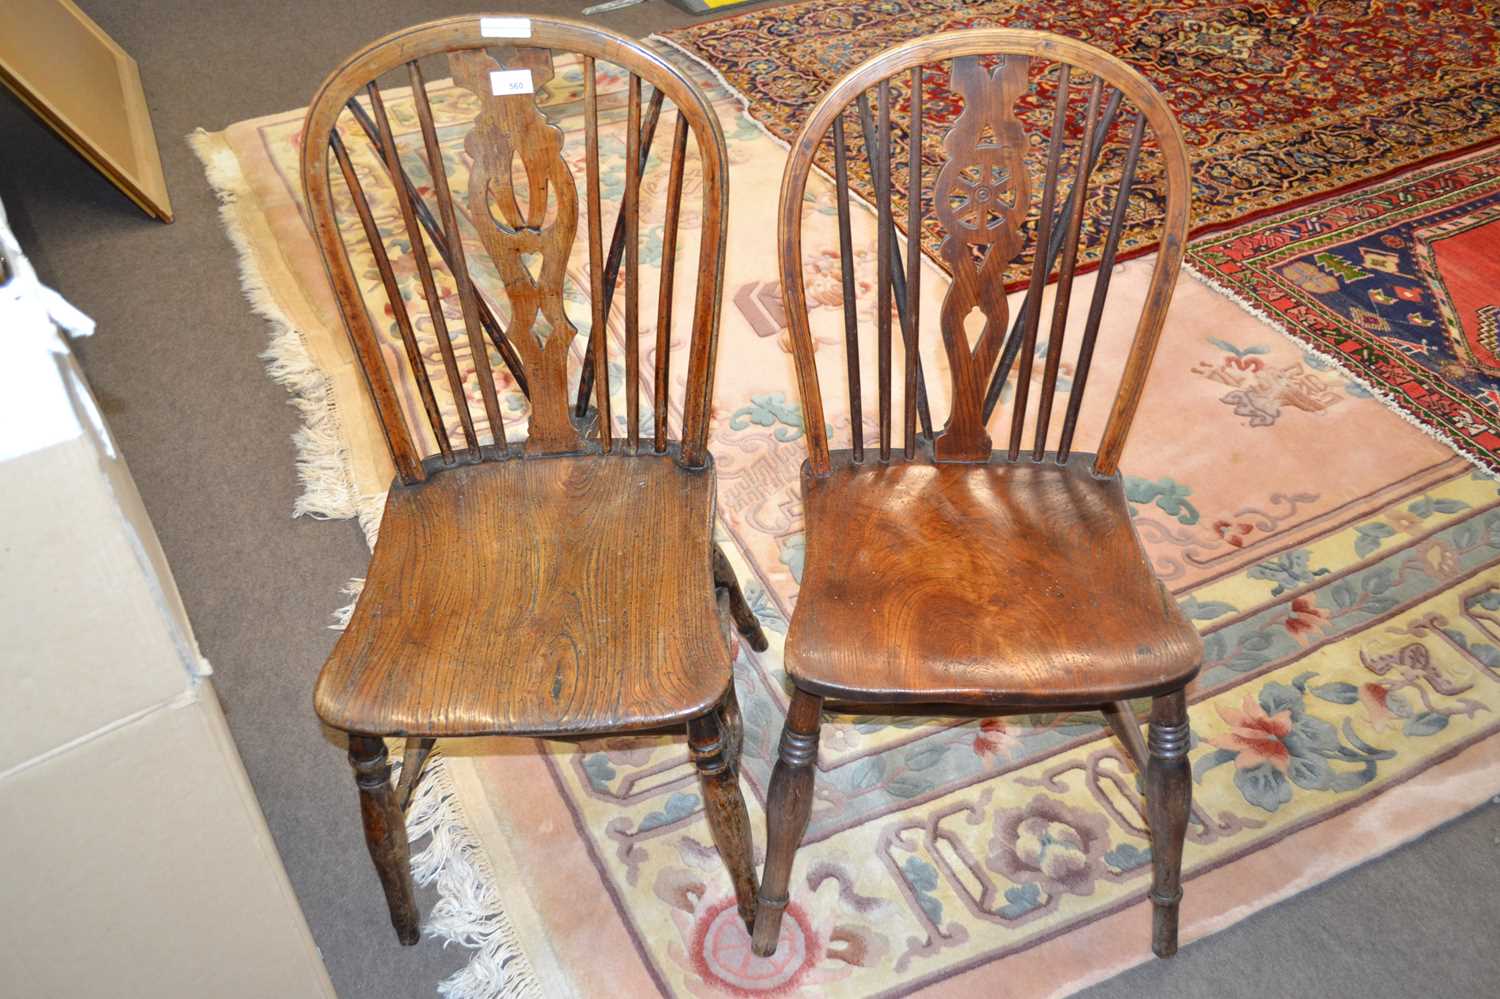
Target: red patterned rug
<point>1280,100</point>
<point>1400,282</point>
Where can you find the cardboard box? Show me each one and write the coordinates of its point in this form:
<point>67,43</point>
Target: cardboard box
<point>138,864</point>
<point>136,858</point>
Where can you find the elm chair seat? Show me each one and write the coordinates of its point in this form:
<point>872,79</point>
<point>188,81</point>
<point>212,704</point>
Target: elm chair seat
<point>546,559</point>
<point>981,584</point>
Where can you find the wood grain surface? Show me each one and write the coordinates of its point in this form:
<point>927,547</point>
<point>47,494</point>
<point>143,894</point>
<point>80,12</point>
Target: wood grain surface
<point>536,596</point>
<point>1013,584</point>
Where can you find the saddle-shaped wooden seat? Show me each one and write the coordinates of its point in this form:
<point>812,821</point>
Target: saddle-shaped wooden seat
<point>1007,581</point>
<point>535,597</point>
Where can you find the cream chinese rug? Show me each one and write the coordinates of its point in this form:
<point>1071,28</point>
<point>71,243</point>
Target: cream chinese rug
<point>1343,568</point>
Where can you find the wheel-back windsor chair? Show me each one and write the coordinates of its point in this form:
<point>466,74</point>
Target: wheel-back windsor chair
<point>942,570</point>
<point>564,586</point>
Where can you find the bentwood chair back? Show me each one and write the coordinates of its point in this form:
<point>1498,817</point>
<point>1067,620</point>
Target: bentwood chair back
<point>562,582</point>
<point>939,567</point>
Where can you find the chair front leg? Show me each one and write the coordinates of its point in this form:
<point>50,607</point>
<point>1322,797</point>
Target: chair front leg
<point>385,832</point>
<point>788,808</point>
<point>1169,793</point>
<point>713,749</point>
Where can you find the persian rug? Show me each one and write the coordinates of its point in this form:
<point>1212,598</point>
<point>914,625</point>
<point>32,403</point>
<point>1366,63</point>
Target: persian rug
<point>1399,282</point>
<point>1344,569</point>
<point>1279,100</point>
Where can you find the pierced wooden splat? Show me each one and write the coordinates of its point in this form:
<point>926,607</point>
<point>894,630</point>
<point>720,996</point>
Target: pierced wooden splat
<point>507,129</point>
<point>981,197</point>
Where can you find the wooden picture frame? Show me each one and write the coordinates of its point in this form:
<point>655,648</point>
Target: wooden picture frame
<point>88,90</point>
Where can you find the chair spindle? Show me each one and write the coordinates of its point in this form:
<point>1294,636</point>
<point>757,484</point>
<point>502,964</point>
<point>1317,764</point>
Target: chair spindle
<point>597,338</point>
<point>1065,274</point>
<point>1032,309</point>
<point>468,297</point>
<point>1101,289</point>
<point>393,294</point>
<point>630,209</point>
<point>912,315</point>
<point>668,279</point>
<point>846,274</point>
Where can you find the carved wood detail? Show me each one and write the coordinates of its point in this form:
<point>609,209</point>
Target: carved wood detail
<point>982,197</point>
<point>506,128</point>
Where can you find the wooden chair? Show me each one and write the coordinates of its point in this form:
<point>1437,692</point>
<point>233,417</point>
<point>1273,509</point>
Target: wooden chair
<point>943,571</point>
<point>564,586</point>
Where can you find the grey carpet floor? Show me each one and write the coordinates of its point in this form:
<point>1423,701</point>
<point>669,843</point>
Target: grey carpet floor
<point>208,438</point>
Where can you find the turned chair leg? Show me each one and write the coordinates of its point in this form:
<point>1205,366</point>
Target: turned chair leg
<point>713,748</point>
<point>385,832</point>
<point>745,620</point>
<point>788,807</point>
<point>1169,792</point>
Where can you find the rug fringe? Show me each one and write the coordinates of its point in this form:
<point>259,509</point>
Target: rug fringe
<point>323,467</point>
<point>468,911</point>
<point>1380,392</point>
<point>352,590</point>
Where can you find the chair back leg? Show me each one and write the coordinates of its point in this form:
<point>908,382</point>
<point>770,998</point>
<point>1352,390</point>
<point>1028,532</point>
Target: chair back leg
<point>788,808</point>
<point>412,762</point>
<point>385,832</point>
<point>1122,722</point>
<point>714,742</point>
<point>745,620</point>
<point>1169,792</point>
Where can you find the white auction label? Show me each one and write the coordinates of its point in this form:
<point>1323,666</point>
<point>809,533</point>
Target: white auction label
<point>509,82</point>
<point>505,27</point>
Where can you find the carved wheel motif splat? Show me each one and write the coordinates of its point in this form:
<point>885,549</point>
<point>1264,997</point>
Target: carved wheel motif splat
<point>981,197</point>
<point>508,129</point>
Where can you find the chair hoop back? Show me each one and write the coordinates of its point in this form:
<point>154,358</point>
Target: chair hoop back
<point>983,199</point>
<point>518,218</point>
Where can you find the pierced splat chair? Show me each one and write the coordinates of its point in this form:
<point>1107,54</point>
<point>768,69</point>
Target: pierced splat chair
<point>566,585</point>
<point>945,571</point>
